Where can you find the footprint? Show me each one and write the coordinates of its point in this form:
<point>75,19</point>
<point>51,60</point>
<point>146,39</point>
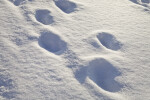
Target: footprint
<point>109,41</point>
<point>144,3</point>
<point>135,1</point>
<point>17,2</point>
<point>52,42</point>
<point>81,74</point>
<point>101,72</point>
<point>43,16</point>
<point>6,87</point>
<point>140,1</point>
<point>65,5</point>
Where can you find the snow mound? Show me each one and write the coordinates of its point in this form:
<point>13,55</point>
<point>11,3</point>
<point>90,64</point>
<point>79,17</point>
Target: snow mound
<point>52,42</point>
<point>44,17</point>
<point>109,41</point>
<point>65,5</point>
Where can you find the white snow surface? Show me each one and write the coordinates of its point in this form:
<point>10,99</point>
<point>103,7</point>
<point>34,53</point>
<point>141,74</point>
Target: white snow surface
<point>74,49</point>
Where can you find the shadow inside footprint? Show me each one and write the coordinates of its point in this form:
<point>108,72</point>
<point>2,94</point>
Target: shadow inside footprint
<point>65,5</point>
<point>44,16</point>
<point>109,41</point>
<point>141,1</point>
<point>134,1</point>
<point>101,72</point>
<point>81,74</point>
<point>52,42</point>
<point>145,1</point>
<point>17,2</point>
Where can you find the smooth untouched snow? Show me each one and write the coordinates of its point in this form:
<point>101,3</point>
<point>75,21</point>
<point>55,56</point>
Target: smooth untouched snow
<point>74,49</point>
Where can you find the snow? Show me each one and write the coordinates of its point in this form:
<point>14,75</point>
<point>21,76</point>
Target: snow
<point>74,49</point>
